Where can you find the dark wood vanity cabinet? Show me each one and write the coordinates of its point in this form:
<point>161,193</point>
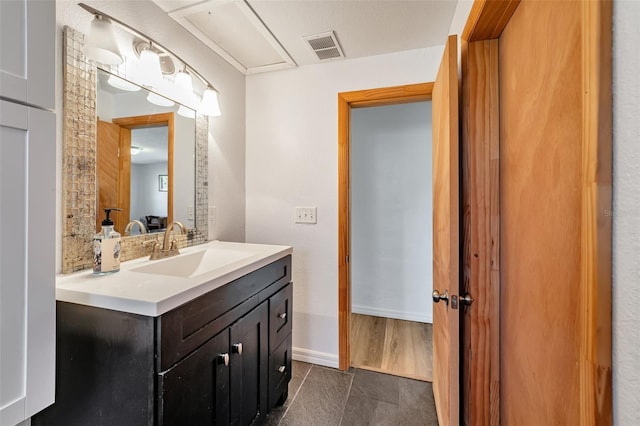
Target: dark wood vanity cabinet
<point>223,358</point>
<point>224,381</point>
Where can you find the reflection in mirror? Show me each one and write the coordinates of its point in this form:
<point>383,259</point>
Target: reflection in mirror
<point>139,143</point>
<point>79,175</point>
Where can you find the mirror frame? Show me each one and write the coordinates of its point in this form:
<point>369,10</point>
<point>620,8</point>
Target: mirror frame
<point>79,165</point>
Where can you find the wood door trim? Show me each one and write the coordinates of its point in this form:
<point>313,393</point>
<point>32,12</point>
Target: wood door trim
<point>488,18</point>
<point>346,101</point>
<point>153,120</point>
<point>597,159</point>
<point>481,232</point>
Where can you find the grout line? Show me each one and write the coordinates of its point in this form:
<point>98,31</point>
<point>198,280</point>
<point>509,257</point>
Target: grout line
<point>296,394</point>
<point>344,408</point>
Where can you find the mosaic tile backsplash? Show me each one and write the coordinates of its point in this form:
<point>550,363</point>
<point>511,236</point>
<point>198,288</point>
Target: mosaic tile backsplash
<point>79,166</point>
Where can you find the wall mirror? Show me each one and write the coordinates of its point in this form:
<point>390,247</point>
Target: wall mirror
<point>145,161</point>
<point>177,189</point>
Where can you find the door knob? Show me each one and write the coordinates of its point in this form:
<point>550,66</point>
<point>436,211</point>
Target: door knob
<point>438,297</point>
<point>237,348</point>
<point>466,299</point>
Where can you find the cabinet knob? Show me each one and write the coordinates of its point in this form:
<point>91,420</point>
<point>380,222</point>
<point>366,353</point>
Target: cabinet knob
<point>282,369</point>
<point>223,359</point>
<point>282,315</point>
<point>237,348</point>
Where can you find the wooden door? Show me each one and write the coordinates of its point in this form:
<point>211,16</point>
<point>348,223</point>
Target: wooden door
<point>107,170</point>
<point>446,237</point>
<point>555,171</point>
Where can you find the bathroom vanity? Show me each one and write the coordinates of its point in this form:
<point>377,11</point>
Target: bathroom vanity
<point>199,339</point>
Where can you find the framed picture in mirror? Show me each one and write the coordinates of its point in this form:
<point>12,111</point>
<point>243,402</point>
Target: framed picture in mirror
<point>163,183</point>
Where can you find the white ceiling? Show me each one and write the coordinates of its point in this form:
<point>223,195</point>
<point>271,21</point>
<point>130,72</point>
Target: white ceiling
<point>264,35</point>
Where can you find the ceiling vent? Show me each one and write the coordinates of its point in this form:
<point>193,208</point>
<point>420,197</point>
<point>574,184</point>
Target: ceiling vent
<point>325,45</point>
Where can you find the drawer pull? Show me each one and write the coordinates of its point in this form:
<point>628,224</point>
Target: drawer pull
<point>237,348</point>
<point>282,315</point>
<point>282,369</point>
<point>223,359</point>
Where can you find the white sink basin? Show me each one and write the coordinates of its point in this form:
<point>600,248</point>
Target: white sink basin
<point>193,264</point>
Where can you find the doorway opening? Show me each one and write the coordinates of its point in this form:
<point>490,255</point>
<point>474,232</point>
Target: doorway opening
<point>118,180</point>
<point>367,329</point>
<point>391,239</point>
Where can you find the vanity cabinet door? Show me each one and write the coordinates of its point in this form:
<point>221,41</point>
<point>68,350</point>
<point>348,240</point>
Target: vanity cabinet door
<point>196,391</point>
<point>249,367</point>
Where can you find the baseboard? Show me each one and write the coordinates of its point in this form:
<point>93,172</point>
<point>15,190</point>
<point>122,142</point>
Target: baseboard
<point>390,313</point>
<point>315,357</point>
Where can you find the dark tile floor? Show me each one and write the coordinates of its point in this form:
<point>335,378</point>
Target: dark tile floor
<point>325,396</point>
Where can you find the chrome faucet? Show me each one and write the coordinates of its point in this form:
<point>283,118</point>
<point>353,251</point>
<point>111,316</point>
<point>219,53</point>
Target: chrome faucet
<point>130,225</point>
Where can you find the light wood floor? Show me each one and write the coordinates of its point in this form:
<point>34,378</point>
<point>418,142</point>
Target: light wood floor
<point>401,348</point>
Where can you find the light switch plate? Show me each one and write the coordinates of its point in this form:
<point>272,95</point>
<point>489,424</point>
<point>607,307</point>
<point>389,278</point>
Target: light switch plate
<point>306,214</point>
<point>211,216</point>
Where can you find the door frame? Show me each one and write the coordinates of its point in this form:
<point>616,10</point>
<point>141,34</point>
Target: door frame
<point>347,100</point>
<point>480,146</point>
<point>139,122</point>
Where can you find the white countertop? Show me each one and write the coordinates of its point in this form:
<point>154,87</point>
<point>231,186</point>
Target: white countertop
<point>150,294</point>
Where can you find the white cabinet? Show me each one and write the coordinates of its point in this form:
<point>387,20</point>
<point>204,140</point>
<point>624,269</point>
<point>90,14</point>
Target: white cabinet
<point>27,51</point>
<point>27,208</point>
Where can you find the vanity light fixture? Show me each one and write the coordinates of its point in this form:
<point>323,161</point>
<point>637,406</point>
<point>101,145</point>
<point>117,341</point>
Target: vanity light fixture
<point>135,150</point>
<point>183,87</point>
<point>101,43</point>
<point>150,69</point>
<point>149,72</point>
<point>209,105</point>
<point>122,84</point>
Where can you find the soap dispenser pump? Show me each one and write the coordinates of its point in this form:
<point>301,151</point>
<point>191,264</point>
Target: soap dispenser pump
<point>106,247</point>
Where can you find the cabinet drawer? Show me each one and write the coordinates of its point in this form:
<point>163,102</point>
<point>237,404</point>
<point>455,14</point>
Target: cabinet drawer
<point>279,371</point>
<point>185,328</point>
<point>280,316</point>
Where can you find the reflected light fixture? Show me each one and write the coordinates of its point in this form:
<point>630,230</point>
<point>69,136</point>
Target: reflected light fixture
<point>149,72</point>
<point>135,150</point>
<point>186,112</point>
<point>122,84</point>
<point>209,105</point>
<point>156,99</point>
<point>100,44</point>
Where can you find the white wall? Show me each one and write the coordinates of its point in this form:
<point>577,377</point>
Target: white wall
<point>626,213</point>
<point>391,208</point>
<point>226,133</point>
<point>292,154</point>
<point>148,201</point>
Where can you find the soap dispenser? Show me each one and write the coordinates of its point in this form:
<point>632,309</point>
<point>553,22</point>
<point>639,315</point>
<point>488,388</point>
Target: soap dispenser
<point>106,247</point>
